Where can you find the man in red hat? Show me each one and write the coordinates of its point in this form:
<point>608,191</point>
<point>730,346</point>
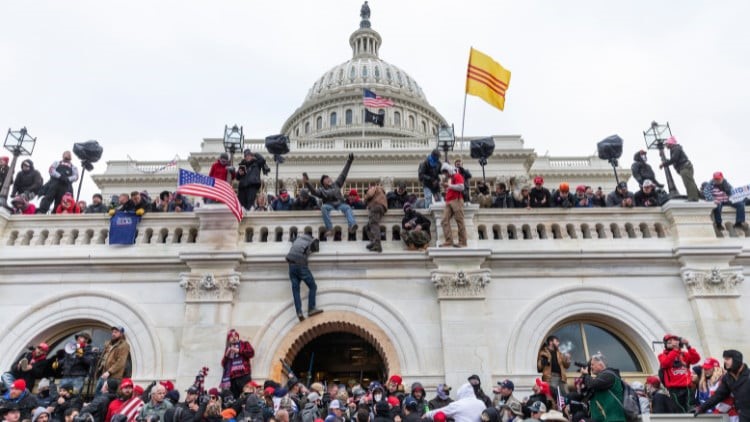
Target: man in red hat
<point>540,196</point>
<point>718,190</point>
<point>19,396</point>
<point>675,361</point>
<point>393,383</point>
<point>236,363</point>
<point>29,367</point>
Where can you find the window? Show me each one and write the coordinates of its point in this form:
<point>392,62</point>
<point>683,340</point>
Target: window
<point>348,117</point>
<point>307,128</point>
<point>584,339</point>
<point>352,73</point>
<point>424,127</point>
<point>296,131</point>
<point>411,122</point>
<point>397,119</point>
<point>333,119</point>
<point>377,73</point>
<point>319,123</point>
<point>364,71</point>
<point>388,74</point>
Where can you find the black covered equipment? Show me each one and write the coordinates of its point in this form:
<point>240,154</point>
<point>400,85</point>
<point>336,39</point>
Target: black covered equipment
<point>482,148</point>
<point>277,144</point>
<point>610,148</point>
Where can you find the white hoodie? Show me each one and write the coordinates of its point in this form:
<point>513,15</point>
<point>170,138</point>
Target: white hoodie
<point>466,408</point>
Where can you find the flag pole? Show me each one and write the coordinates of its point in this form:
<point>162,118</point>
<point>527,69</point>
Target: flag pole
<point>463,122</point>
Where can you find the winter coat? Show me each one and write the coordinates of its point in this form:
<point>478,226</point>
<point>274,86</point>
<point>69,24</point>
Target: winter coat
<point>416,219</point>
<point>74,365</point>
<point>539,195</point>
<point>736,384</point>
<point>614,199</point>
<point>300,205</point>
<point>280,205</point>
<point>114,357</point>
<point>397,200</point>
<point>641,170</point>
<point>606,390</point>
<point>58,413</point>
<point>246,353</point>
<point>98,407</point>
<point>332,194</point>
<point>677,158</point>
<point>544,364</point>
<point>676,366</point>
<point>466,408</point>
<point>429,175</point>
<point>662,403</point>
<point>251,177</point>
<point>26,403</point>
<point>151,409</point>
<point>375,196</point>
<point>300,250</point>
<point>96,209</point>
<point>438,403</point>
<point>563,200</point>
<point>643,199</point>
<point>219,171</point>
<point>63,172</point>
<point>503,200</point>
<point>27,181</point>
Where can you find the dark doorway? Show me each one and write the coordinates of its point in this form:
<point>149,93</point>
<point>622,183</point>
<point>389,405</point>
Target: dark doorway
<point>341,357</point>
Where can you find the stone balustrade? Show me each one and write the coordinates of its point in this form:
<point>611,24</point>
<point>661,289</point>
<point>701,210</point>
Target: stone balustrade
<point>489,227</point>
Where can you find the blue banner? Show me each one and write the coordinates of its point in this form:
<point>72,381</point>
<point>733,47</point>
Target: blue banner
<point>123,227</point>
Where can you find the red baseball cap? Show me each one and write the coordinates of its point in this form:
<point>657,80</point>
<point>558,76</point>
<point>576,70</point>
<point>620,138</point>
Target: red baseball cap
<point>710,363</point>
<point>19,385</point>
<point>718,175</point>
<point>393,401</point>
<point>438,417</point>
<point>126,382</point>
<point>167,384</point>
<point>396,379</point>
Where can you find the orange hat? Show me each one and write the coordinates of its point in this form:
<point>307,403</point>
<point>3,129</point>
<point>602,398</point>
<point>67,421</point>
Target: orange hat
<point>564,187</point>
<point>229,413</point>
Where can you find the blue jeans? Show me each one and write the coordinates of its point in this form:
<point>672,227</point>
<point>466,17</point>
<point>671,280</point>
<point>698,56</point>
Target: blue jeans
<point>344,208</point>
<point>297,274</point>
<point>7,378</point>
<point>740,211</point>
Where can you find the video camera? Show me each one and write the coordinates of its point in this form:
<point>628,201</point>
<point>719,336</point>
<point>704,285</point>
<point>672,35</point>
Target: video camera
<point>582,365</point>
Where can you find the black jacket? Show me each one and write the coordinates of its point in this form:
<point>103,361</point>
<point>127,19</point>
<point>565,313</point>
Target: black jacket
<point>503,200</point>
<point>539,194</point>
<point>27,181</point>
<point>642,199</point>
<point>677,158</point>
<point>98,407</point>
<point>26,403</point>
<point>397,200</point>
<point>251,176</point>
<point>332,194</point>
<point>417,219</point>
<point>641,170</point>
<point>429,176</point>
<point>737,385</point>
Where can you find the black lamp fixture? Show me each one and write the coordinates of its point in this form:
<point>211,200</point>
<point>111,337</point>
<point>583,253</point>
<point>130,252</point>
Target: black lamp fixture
<point>655,137</point>
<point>18,143</point>
<point>234,141</point>
<point>446,139</point>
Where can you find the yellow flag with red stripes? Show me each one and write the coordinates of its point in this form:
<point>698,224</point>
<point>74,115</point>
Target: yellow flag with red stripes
<point>487,79</point>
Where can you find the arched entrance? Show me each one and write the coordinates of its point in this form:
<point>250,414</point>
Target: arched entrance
<point>339,356</point>
<point>346,345</point>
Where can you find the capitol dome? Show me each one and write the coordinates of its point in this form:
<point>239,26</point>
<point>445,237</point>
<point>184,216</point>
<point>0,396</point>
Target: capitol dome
<point>333,106</point>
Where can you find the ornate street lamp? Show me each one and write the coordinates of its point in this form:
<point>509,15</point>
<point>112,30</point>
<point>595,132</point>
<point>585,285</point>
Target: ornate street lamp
<point>17,143</point>
<point>234,141</point>
<point>655,137</point>
<point>446,139</point>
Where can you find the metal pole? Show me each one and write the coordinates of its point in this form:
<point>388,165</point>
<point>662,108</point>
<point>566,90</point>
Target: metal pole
<point>463,121</point>
<point>276,158</point>
<point>80,182</point>
<point>673,192</point>
<point>6,183</point>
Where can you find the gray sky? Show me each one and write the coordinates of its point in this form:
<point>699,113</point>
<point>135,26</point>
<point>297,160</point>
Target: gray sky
<point>152,78</point>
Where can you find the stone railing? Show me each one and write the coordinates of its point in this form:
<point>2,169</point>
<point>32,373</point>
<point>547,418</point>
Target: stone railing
<point>487,228</point>
<point>351,144</point>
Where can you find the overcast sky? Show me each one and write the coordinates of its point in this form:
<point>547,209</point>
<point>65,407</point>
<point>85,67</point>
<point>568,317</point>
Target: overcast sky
<point>150,79</point>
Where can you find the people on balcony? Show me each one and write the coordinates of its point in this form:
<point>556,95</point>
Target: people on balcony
<point>68,205</point>
<point>97,205</point>
<point>398,197</point>
<point>329,193</point>
<point>718,190</point>
<point>261,203</point>
<point>179,204</point>
<point>482,195</point>
<point>354,201</point>
<point>454,206</point>
<point>642,170</point>
<point>563,198</point>
<point>305,201</point>
<point>429,175</point>
<point>21,205</point>
<point>283,202</point>
<point>248,176</point>
<point>141,201</point>
<point>523,198</point>
<point>647,196</point>
<point>679,160</point>
<point>503,198</point>
<point>466,174</point>
<point>584,198</point>
<point>4,169</point>
<point>28,181</point>
<point>377,206</point>
<point>62,175</point>
<point>415,229</point>
<point>540,196</point>
<point>620,197</point>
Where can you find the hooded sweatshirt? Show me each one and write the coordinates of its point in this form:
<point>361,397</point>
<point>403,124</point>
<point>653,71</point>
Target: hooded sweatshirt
<point>466,408</point>
<point>27,180</point>
<point>641,170</point>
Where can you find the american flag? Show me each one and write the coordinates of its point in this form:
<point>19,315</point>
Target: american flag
<point>560,400</point>
<point>195,184</point>
<point>372,99</point>
<point>131,408</point>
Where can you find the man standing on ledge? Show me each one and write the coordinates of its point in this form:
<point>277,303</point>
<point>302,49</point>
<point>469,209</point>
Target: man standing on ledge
<point>303,246</point>
<point>682,164</point>
<point>454,206</point>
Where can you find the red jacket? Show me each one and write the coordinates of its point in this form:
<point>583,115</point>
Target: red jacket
<point>246,353</point>
<point>678,375</point>
<point>114,407</point>
<point>218,171</point>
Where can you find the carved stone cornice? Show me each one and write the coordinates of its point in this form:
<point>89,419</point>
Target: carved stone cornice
<point>460,284</point>
<point>210,288</point>
<point>714,282</point>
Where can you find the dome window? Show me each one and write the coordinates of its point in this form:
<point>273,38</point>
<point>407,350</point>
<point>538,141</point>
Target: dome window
<point>296,131</point>
<point>352,73</point>
<point>341,75</point>
<point>307,128</point>
<point>397,119</point>
<point>424,127</point>
<point>334,118</point>
<point>398,77</point>
<point>411,122</point>
<point>319,123</point>
<point>377,73</point>
<point>388,75</point>
<point>364,71</point>
<point>348,117</point>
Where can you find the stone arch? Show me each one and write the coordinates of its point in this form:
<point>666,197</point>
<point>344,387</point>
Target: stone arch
<point>44,319</point>
<point>346,310</point>
<point>636,322</point>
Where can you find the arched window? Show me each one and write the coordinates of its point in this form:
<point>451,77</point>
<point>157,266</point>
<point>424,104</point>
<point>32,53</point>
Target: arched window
<point>411,122</point>
<point>377,73</point>
<point>582,339</point>
<point>348,116</point>
<point>319,123</point>
<point>424,126</point>
<point>352,73</point>
<point>296,131</point>
<point>307,128</point>
<point>364,71</point>
<point>397,119</point>
<point>333,119</point>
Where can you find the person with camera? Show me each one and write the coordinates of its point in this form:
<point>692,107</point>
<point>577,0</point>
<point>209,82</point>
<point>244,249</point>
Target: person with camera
<point>304,245</point>
<point>736,383</point>
<point>248,175</point>
<point>236,363</point>
<point>62,175</point>
<point>605,388</point>
<point>66,399</point>
<point>552,364</point>
<point>674,362</point>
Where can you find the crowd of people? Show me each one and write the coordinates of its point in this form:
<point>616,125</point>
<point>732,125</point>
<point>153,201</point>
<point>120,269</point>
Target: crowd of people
<point>598,392</point>
<point>440,181</point>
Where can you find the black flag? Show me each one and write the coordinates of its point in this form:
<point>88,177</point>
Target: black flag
<point>376,119</point>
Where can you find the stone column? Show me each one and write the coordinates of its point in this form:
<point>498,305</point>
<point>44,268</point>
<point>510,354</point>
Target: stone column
<point>460,283</point>
<point>211,288</point>
<point>711,281</point>
<point>438,208</point>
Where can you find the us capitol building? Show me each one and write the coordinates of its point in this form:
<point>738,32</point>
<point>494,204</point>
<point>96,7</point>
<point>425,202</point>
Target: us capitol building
<point>609,280</point>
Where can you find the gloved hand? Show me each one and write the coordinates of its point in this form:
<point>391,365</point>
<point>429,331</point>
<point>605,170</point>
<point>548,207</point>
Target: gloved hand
<point>139,212</point>
<point>111,212</point>
<point>351,156</point>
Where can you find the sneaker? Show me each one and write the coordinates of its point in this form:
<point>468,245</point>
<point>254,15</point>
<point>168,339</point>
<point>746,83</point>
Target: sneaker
<point>739,226</point>
<point>377,248</point>
<point>300,316</point>
<point>353,229</point>
<point>370,246</point>
<point>719,227</point>
<point>313,312</point>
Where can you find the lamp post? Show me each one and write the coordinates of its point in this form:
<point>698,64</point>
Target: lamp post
<point>234,141</point>
<point>446,139</point>
<point>17,143</point>
<point>655,137</point>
